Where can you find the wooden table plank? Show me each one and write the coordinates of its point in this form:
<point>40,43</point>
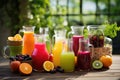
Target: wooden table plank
<point>109,74</point>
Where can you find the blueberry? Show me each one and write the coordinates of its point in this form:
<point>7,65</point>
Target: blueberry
<point>53,71</point>
<point>58,67</point>
<point>12,58</point>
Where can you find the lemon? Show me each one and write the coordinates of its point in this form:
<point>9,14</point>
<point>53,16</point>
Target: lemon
<point>17,37</point>
<point>48,66</point>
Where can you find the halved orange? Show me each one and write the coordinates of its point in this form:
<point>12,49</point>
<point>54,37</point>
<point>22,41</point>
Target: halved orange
<point>48,65</point>
<point>25,68</point>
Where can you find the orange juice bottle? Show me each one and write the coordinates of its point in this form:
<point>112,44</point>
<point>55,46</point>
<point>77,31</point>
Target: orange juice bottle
<point>28,41</point>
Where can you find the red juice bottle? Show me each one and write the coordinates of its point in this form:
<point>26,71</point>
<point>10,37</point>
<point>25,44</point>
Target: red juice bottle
<point>76,43</point>
<point>84,55</point>
<point>40,54</point>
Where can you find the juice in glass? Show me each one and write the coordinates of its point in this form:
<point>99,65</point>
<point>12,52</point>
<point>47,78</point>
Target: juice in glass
<point>84,60</point>
<point>57,49</point>
<point>40,54</point>
<point>67,61</point>
<point>75,39</point>
<point>28,43</point>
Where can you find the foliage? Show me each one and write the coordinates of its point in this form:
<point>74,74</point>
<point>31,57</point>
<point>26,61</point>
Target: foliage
<point>9,15</point>
<point>110,30</point>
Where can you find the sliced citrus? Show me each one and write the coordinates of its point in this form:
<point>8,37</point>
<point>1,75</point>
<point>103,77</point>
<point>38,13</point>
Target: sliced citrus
<point>10,38</point>
<point>25,68</point>
<point>17,37</point>
<point>48,66</point>
<point>106,60</point>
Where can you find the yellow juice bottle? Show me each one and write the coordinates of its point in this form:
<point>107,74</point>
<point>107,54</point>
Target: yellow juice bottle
<point>57,50</point>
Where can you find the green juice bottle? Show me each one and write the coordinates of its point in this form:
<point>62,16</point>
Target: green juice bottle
<point>67,59</point>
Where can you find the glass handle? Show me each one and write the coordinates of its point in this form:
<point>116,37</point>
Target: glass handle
<point>4,52</point>
<point>91,50</point>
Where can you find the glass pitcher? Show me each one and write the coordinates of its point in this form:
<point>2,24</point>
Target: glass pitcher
<point>75,35</point>
<point>60,38</point>
<point>40,55</point>
<point>28,40</point>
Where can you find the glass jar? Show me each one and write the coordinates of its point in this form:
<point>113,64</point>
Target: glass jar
<point>96,36</point>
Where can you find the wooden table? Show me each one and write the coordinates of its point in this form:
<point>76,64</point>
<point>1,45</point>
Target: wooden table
<point>108,74</point>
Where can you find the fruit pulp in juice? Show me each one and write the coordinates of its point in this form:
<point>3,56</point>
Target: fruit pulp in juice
<point>76,43</point>
<point>84,60</point>
<point>40,54</point>
<point>28,43</point>
<point>67,61</point>
<point>57,49</point>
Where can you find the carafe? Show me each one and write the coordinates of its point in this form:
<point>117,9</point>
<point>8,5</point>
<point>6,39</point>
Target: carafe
<point>60,38</point>
<point>28,40</point>
<point>75,35</point>
<point>84,55</point>
<point>67,58</point>
<point>40,54</point>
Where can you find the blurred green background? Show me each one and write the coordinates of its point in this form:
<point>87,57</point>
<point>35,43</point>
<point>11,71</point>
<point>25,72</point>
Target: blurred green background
<point>56,14</point>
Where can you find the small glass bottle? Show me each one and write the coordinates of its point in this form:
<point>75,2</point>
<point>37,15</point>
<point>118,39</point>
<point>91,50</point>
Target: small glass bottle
<point>67,58</point>
<point>84,55</point>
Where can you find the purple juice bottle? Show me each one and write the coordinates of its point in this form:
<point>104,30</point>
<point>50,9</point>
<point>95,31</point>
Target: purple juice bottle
<point>84,55</point>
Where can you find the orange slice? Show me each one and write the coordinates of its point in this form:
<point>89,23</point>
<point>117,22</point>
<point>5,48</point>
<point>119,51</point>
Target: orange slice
<point>17,37</point>
<point>25,68</point>
<point>48,65</point>
<point>10,38</point>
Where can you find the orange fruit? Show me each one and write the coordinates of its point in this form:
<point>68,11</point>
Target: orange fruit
<point>106,60</point>
<point>25,68</point>
<point>48,65</point>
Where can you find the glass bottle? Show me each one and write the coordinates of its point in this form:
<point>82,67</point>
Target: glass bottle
<point>75,35</point>
<point>67,58</point>
<point>84,55</point>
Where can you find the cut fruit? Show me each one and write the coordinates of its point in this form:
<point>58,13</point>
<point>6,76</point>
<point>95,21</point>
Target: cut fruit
<point>97,64</point>
<point>17,37</point>
<point>10,38</point>
<point>25,69</point>
<point>48,66</point>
